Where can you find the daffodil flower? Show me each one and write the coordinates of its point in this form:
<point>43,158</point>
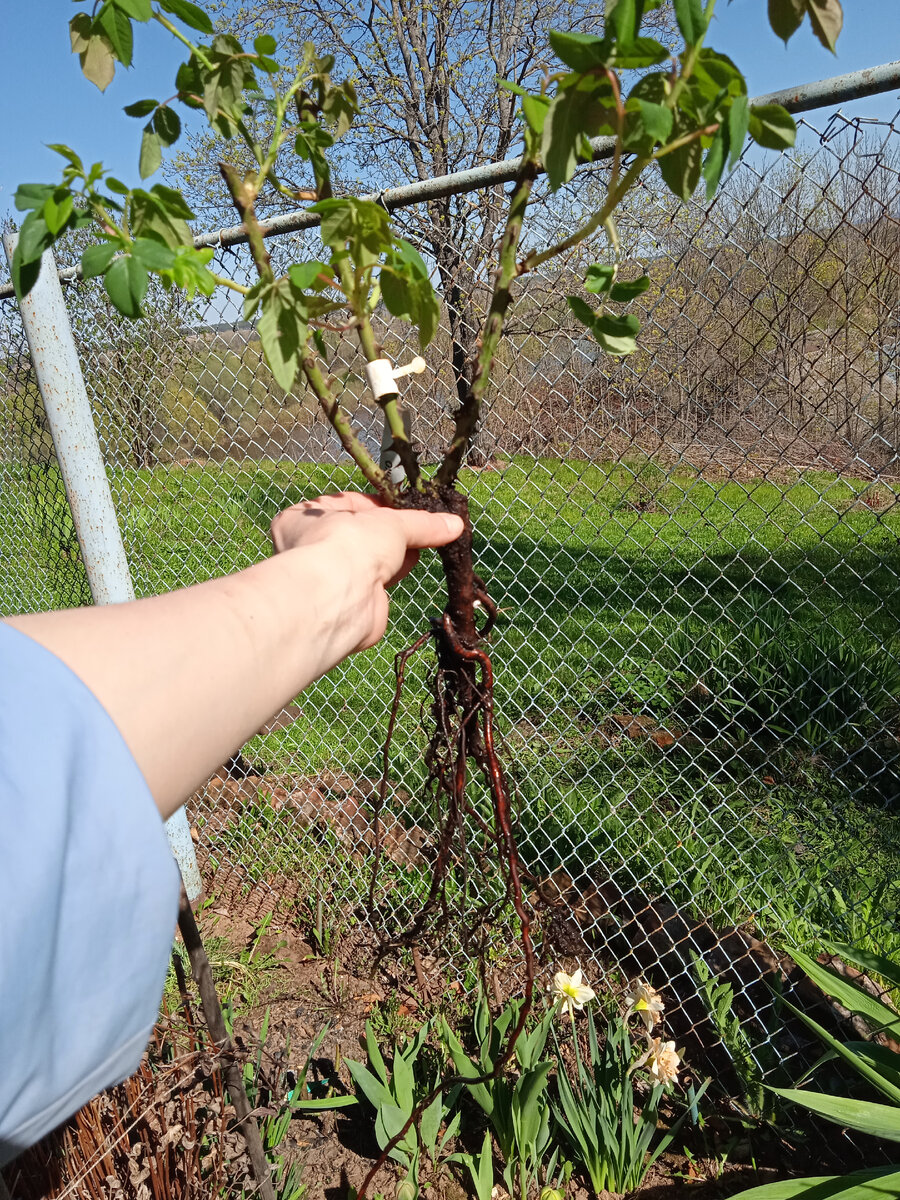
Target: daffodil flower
<point>646,1001</point>
<point>570,993</point>
<point>663,1061</point>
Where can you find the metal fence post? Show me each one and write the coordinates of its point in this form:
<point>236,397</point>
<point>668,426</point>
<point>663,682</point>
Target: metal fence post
<point>68,409</point>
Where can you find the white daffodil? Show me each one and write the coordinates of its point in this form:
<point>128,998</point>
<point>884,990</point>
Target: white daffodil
<point>570,993</point>
<point>663,1061</point>
<point>646,1001</point>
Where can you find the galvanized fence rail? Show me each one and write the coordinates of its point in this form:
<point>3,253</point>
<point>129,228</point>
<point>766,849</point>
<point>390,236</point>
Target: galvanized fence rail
<point>696,553</point>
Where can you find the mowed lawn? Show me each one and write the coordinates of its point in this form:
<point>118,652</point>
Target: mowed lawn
<point>597,570</point>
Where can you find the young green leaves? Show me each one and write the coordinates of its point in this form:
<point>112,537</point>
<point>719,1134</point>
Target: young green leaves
<point>106,36</point>
<point>407,292</point>
<point>825,16</point>
<point>693,118</point>
<point>615,332</point>
<point>360,231</point>
<point>163,129</point>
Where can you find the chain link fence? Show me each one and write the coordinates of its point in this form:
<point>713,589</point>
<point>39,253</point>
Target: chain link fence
<point>695,552</point>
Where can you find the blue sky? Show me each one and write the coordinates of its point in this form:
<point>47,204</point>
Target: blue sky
<point>45,99</point>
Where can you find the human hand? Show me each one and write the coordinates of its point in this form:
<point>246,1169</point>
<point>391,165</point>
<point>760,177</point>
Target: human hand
<point>365,547</point>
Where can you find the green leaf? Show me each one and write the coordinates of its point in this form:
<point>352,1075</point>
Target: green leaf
<point>647,124</point>
<point>624,18</point>
<point>534,110</point>
<point>722,73</point>
<point>167,124</point>
<point>151,152</point>
<point>574,115</point>
<point>772,126</point>
<point>580,51</point>
<point>126,284</point>
<point>407,291</point>
<point>842,1050</point>
<point>599,279</point>
<point>642,52</point>
<point>527,1096</point>
<point>94,50</point>
<point>714,163</point>
<point>172,202</point>
<point>879,1120</point>
<point>691,20</point>
<point>359,225</point>
<point>627,290</point>
<point>430,1124</point>
<point>140,108</point>
<point>161,213</point>
<point>190,14</point>
<point>34,237</point>
<point>582,310</point>
<point>827,19</point>
<point>373,1089</point>
<point>68,154</point>
<point>153,254</point>
<point>282,332</point>
<point>738,125</point>
<point>265,44</point>
<point>617,335</point>
<point>879,1183</point>
<point>786,17</point>
<point>305,275</point>
<point>879,1059</point>
<point>97,258</point>
<point>32,195</point>
<point>117,27</point>
<point>324,1104</point>
<point>681,168</point>
<point>873,963</point>
<point>852,998</point>
<point>189,270</point>
<point>389,1120</point>
<point>24,274</point>
<point>116,185</point>
<point>403,1081</point>
<point>57,210</point>
<point>485,1173</point>
<point>252,300</point>
<point>139,10</point>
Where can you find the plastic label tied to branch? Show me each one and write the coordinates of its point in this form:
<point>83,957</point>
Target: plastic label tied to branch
<point>382,375</point>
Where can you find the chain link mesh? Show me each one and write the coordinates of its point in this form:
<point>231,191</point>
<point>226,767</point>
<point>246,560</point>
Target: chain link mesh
<point>695,551</point>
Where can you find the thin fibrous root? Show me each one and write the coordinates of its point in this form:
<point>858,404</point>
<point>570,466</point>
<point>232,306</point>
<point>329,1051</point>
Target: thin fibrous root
<point>459,735</point>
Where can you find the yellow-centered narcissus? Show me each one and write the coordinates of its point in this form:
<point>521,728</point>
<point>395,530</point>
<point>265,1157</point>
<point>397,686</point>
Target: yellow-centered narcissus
<point>570,993</point>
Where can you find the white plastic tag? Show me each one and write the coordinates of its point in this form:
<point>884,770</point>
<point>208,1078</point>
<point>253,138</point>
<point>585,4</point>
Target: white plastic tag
<point>380,378</point>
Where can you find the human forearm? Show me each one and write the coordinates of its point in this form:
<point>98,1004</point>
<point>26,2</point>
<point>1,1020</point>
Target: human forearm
<point>189,676</point>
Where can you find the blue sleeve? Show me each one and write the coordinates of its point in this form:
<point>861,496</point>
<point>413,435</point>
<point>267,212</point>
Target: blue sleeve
<point>88,897</point>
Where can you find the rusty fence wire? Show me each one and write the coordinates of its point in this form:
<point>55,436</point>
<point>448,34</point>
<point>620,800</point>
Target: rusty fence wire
<point>695,551</point>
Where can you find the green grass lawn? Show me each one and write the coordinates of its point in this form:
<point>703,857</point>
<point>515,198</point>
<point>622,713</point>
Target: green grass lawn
<point>614,583</point>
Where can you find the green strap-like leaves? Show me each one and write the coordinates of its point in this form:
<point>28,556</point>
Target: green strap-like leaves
<point>879,1120</point>
<point>880,1183</point>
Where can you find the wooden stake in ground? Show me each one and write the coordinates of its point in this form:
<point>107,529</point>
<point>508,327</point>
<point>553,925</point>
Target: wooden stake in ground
<point>231,1071</point>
